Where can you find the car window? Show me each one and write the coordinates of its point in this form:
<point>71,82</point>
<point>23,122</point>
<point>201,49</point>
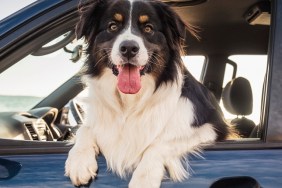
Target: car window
<point>195,64</point>
<point>34,77</point>
<point>253,68</point>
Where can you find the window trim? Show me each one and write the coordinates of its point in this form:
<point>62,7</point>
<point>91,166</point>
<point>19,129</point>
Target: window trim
<point>272,118</point>
<point>234,65</point>
<point>19,147</point>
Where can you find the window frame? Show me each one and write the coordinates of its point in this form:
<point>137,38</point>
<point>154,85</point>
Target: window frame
<point>272,119</point>
<point>272,134</point>
<point>204,66</point>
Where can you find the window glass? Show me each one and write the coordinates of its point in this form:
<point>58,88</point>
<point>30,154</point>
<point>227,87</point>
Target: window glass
<point>195,65</point>
<point>30,80</point>
<point>253,68</point>
<point>228,73</point>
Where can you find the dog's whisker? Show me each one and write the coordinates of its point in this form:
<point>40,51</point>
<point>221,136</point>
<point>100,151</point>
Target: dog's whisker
<point>158,61</point>
<point>100,60</point>
<point>105,55</point>
<point>107,50</point>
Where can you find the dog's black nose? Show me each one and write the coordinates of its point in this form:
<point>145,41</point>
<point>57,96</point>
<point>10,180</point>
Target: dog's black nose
<point>129,48</point>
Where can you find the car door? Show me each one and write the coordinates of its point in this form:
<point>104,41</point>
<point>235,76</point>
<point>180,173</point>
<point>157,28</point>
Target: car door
<point>41,164</point>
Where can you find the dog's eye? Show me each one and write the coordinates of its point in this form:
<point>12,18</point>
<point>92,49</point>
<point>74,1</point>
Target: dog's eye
<point>148,28</point>
<point>113,26</point>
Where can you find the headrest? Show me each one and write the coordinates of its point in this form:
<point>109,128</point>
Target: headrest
<point>237,97</point>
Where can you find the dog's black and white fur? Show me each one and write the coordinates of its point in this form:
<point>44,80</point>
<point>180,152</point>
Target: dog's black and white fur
<point>146,112</point>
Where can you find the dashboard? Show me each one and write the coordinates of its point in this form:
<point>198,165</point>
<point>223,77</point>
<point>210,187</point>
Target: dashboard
<point>37,124</point>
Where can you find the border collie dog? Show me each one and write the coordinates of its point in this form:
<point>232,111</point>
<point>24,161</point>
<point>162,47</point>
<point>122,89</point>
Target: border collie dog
<point>146,112</point>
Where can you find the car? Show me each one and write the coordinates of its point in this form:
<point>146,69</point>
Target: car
<point>237,56</point>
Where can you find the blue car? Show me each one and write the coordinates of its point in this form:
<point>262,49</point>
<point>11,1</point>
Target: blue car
<point>238,57</point>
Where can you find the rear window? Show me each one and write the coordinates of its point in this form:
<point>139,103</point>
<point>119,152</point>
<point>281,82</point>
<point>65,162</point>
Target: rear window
<point>195,65</point>
<point>252,68</point>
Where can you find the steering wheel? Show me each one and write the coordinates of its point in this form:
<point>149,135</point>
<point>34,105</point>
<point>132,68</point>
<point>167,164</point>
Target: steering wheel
<point>69,132</point>
<point>77,111</point>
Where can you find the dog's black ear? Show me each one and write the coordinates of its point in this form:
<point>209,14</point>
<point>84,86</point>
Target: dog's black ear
<point>90,13</point>
<point>174,27</point>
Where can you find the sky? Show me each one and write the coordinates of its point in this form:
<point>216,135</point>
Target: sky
<point>10,6</point>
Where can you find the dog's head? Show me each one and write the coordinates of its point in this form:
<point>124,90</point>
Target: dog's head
<point>134,38</point>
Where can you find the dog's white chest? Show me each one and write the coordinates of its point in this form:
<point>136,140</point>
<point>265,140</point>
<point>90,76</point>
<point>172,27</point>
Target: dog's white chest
<point>124,127</point>
<point>122,141</point>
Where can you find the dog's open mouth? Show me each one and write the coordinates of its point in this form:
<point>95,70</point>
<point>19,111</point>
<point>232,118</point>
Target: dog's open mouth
<point>129,78</point>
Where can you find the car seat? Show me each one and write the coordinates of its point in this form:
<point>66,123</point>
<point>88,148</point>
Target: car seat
<point>237,99</point>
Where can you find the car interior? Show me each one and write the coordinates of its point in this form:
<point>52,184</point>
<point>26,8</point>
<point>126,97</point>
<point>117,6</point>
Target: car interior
<point>224,29</point>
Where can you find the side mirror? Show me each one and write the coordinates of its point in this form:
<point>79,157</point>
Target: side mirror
<point>236,182</point>
<point>9,169</point>
<point>76,53</point>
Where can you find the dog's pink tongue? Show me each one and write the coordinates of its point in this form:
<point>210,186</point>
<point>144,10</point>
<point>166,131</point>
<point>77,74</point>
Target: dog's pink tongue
<point>129,81</point>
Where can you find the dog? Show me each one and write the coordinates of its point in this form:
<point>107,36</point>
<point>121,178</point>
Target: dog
<point>146,112</point>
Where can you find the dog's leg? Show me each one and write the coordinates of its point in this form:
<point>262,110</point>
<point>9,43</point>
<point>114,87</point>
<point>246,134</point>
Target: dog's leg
<point>81,165</point>
<point>169,153</point>
<point>178,149</point>
<point>149,172</point>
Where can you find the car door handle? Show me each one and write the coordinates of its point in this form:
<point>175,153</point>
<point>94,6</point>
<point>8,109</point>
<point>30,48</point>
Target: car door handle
<point>236,182</point>
<point>9,169</point>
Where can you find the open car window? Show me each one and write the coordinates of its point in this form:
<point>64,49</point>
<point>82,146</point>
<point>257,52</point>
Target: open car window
<point>195,64</point>
<point>37,121</point>
<point>34,77</point>
<point>40,75</point>
<point>253,68</point>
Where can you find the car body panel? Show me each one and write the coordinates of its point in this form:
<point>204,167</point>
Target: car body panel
<point>263,165</point>
<point>273,115</point>
<point>25,15</point>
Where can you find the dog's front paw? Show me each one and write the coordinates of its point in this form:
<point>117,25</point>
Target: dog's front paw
<point>141,182</point>
<point>147,176</point>
<point>81,166</point>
